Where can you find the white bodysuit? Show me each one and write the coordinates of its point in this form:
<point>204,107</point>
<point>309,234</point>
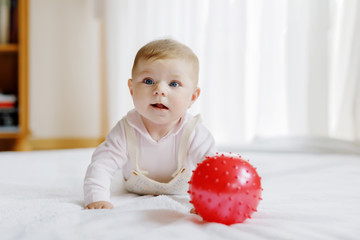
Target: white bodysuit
<point>148,166</point>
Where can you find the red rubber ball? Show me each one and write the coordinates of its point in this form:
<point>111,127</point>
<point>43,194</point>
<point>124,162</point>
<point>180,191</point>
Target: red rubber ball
<point>225,189</point>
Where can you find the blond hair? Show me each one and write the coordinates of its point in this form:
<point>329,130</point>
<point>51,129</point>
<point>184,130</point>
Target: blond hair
<point>167,48</point>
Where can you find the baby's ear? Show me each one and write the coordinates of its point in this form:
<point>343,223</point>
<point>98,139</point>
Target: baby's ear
<point>195,95</point>
<point>130,86</point>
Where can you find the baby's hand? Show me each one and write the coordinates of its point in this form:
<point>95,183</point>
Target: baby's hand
<point>99,205</point>
<point>193,211</point>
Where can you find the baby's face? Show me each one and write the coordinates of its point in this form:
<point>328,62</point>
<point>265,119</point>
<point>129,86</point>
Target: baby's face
<point>163,89</point>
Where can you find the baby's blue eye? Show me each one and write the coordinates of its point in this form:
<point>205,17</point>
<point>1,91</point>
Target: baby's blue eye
<point>148,81</point>
<point>174,84</point>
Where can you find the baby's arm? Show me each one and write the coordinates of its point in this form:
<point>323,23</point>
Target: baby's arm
<point>100,205</point>
<point>108,158</point>
<point>98,179</point>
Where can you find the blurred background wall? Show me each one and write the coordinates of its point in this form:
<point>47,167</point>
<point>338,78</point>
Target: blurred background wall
<point>64,73</point>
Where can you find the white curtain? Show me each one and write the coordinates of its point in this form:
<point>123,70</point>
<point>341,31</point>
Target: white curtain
<point>269,68</point>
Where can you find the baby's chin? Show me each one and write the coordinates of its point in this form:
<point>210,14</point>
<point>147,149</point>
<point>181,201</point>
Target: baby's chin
<point>161,120</point>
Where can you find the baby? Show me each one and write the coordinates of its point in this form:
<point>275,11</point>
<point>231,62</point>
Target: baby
<point>157,144</point>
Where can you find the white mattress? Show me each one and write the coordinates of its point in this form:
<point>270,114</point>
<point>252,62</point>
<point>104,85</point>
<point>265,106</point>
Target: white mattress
<point>306,196</point>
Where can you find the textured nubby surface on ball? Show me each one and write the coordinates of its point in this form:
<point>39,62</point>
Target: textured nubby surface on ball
<point>225,188</point>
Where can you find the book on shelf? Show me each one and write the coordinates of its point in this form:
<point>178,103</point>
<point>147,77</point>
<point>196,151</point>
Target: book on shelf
<point>8,21</point>
<point>8,111</point>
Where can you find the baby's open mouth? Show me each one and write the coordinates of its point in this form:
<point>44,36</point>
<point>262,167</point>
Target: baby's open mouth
<point>159,106</point>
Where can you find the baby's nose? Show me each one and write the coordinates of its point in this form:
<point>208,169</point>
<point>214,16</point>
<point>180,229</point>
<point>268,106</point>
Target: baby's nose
<point>160,90</point>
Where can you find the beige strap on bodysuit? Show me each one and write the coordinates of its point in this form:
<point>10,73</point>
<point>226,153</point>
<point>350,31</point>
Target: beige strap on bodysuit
<point>132,145</point>
<point>184,143</point>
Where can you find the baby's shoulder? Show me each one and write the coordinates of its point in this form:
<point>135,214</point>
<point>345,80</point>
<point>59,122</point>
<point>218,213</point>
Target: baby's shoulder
<point>200,130</point>
<point>117,131</point>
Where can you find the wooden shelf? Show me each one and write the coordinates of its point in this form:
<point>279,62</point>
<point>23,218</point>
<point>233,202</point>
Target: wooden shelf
<point>9,132</point>
<point>14,81</point>
<point>8,48</point>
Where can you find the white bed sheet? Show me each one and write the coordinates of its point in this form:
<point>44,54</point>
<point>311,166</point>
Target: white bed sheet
<point>306,196</point>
